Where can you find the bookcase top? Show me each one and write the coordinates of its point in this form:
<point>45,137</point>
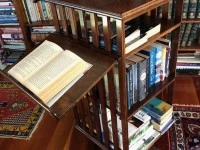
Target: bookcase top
<point>113,8</point>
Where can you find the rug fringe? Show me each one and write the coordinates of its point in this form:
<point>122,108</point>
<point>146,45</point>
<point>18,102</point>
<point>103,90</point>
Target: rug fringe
<point>186,105</point>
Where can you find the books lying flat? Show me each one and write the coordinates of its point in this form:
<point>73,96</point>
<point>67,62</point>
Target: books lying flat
<point>49,69</point>
<point>158,109</point>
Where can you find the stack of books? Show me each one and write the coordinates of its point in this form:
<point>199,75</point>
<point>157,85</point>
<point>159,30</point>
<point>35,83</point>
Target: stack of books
<point>188,63</point>
<point>139,129</point>
<point>161,114</point>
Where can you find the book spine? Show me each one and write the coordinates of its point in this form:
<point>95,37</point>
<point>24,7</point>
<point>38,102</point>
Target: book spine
<point>135,89</point>
<point>186,34</point>
<point>158,65</point>
<point>163,61</point>
<point>44,10</point>
<point>198,10</point>
<point>182,29</point>
<point>128,93</point>
<point>192,34</point>
<point>192,9</point>
<point>141,71</point>
<point>185,9</point>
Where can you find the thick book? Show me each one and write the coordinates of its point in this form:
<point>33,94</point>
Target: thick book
<point>151,52</point>
<point>157,108</point>
<point>141,76</point>
<point>48,69</point>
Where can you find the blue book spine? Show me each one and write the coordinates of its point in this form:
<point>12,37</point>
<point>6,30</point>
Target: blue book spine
<point>135,98</point>
<point>44,10</point>
<point>157,61</point>
<point>152,70</point>
<point>129,81</point>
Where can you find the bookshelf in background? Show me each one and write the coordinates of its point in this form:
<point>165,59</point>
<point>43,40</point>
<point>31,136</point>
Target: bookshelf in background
<point>189,44</point>
<point>11,38</point>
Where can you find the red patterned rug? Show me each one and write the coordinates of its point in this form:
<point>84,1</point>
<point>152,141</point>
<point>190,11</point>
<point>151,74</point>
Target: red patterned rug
<point>19,114</point>
<point>185,133</point>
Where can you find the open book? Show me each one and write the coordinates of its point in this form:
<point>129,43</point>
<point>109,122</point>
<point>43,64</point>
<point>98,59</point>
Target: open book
<point>49,69</point>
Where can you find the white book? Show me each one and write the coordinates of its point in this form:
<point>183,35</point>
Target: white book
<point>135,44</point>
<point>140,114</point>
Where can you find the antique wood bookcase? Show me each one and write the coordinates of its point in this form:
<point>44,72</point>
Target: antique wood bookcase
<point>85,97</point>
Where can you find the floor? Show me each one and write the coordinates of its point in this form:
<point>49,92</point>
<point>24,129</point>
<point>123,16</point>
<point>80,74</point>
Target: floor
<point>52,134</point>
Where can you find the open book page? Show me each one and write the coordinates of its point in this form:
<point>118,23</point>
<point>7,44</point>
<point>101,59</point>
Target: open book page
<point>55,75</point>
<point>34,61</point>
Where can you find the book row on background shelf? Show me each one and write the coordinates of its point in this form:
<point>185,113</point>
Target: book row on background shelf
<point>191,9</point>
<point>7,13</point>
<point>12,45</point>
<point>145,126</point>
<point>189,34</point>
<point>37,11</point>
<point>188,63</point>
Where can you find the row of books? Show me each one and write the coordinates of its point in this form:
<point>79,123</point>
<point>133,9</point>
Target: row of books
<point>191,9</point>
<point>7,13</point>
<point>189,33</point>
<point>137,32</point>
<point>188,63</point>
<point>39,33</point>
<point>145,126</point>
<point>146,68</point>
<point>38,11</point>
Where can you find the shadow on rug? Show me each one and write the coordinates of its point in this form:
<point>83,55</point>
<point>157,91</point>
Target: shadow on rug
<point>19,114</point>
<point>185,133</point>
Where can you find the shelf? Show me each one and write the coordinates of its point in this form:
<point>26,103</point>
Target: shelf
<point>9,25</point>
<point>194,47</point>
<point>190,21</point>
<point>40,23</point>
<point>167,26</point>
<point>82,86</point>
<point>127,9</point>
<point>152,92</point>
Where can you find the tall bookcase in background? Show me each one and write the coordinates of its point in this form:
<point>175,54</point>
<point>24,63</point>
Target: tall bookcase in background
<point>89,97</point>
<point>12,43</point>
<point>189,44</point>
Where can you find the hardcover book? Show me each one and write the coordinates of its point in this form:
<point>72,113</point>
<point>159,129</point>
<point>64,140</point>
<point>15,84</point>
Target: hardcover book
<point>48,69</point>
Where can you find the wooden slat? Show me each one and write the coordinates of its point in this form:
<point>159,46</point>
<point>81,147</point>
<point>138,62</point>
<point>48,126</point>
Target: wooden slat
<point>106,32</point>
<point>81,115</point>
<point>95,120</point>
<point>63,19</point>
<point>94,26</point>
<point>73,22</point>
<point>55,17</point>
<point>112,98</point>
<point>83,25</point>
<point>102,99</point>
<point>165,9</point>
<point>87,114</point>
<point>122,78</point>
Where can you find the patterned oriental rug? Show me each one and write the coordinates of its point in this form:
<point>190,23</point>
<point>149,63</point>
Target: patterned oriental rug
<point>19,114</point>
<point>185,133</point>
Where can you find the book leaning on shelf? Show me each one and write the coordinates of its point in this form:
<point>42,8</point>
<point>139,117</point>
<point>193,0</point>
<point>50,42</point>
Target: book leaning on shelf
<point>49,69</point>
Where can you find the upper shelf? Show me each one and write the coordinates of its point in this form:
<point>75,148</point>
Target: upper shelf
<point>101,65</point>
<point>167,26</point>
<point>126,9</point>
<point>193,47</point>
<point>152,92</point>
<point>190,21</point>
